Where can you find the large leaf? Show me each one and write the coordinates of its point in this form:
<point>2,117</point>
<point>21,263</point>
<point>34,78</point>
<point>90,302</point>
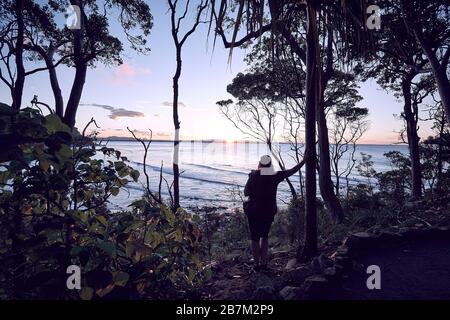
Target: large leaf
<point>86,293</point>
<point>108,247</point>
<point>54,124</point>
<point>121,279</point>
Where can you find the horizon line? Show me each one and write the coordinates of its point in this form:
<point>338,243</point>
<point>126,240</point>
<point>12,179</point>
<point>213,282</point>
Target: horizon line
<point>117,138</point>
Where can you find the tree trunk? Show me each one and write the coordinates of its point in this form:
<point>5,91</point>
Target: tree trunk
<point>59,103</point>
<point>440,151</point>
<point>443,85</point>
<point>75,94</point>
<point>439,73</point>
<point>413,139</point>
<point>20,70</point>
<point>176,140</point>
<point>325,183</point>
<point>312,77</point>
<point>80,71</point>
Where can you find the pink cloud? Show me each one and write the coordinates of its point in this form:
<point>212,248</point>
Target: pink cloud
<point>126,74</point>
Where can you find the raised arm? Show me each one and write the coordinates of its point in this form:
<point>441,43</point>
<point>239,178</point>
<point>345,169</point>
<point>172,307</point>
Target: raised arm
<point>287,173</point>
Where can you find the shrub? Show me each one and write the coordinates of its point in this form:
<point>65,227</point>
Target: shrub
<point>55,184</point>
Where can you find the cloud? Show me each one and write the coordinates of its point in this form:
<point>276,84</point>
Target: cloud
<point>169,104</point>
<point>163,134</point>
<point>126,73</point>
<point>116,113</point>
<point>156,135</point>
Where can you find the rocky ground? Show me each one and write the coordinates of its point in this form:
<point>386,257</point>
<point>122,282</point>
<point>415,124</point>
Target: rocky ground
<point>235,279</point>
<point>414,263</point>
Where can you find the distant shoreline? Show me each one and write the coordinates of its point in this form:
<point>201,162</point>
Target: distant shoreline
<point>130,139</point>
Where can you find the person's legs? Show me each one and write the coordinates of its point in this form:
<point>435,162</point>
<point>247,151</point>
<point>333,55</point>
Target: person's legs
<point>256,250</point>
<point>264,253</point>
<point>254,236</point>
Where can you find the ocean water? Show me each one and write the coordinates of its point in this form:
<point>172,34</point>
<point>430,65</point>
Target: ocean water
<point>214,173</point>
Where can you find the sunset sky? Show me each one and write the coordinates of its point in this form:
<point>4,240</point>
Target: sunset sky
<point>143,85</point>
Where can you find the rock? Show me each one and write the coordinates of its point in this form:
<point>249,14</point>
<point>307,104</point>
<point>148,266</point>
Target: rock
<point>444,232</point>
<point>324,261</point>
<point>405,232</point>
<point>363,235</point>
<point>261,280</point>
<point>330,273</point>
<point>232,257</point>
<point>315,266</point>
<point>352,242</point>
<point>339,269</point>
<point>264,293</point>
<point>292,263</point>
<point>320,263</point>
<point>387,237</point>
<point>366,239</point>
<point>345,262</point>
<point>316,287</point>
<point>343,250</point>
<point>232,294</point>
<point>291,293</point>
<point>299,274</point>
<point>279,253</point>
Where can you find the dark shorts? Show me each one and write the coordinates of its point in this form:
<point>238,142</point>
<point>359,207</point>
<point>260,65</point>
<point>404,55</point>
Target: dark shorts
<point>259,226</point>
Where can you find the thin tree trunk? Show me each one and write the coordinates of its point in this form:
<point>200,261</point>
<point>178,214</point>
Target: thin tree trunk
<point>440,141</point>
<point>20,70</point>
<point>413,139</point>
<point>176,141</point>
<point>312,77</point>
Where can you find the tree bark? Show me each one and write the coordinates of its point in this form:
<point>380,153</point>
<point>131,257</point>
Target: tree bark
<point>80,71</point>
<point>54,83</point>
<point>59,103</point>
<point>20,70</point>
<point>439,73</point>
<point>325,183</point>
<point>176,123</point>
<point>413,139</point>
<point>312,82</point>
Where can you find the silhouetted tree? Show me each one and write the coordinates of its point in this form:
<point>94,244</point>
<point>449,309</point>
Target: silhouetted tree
<point>283,21</point>
<point>179,39</point>
<point>44,40</point>
<point>397,64</point>
<point>429,23</point>
<point>257,113</point>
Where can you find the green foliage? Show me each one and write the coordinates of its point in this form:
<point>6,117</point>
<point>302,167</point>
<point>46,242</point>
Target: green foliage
<point>55,185</point>
<point>223,233</point>
<point>288,224</point>
<point>395,184</point>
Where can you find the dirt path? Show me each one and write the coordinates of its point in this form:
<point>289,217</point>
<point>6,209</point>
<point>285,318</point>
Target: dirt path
<point>235,279</point>
<point>410,270</point>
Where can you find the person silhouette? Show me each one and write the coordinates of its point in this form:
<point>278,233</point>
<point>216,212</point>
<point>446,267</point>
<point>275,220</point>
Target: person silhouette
<point>261,206</point>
